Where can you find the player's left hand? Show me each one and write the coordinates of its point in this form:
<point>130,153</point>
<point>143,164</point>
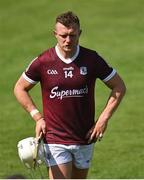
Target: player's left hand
<point>96,132</point>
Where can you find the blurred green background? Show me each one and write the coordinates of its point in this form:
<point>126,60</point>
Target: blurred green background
<point>115,29</point>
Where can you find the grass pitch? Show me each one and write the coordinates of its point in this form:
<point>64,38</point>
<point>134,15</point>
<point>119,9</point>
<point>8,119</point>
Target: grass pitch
<point>115,29</point>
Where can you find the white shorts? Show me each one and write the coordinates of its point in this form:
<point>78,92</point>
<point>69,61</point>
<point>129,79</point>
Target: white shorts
<point>80,155</point>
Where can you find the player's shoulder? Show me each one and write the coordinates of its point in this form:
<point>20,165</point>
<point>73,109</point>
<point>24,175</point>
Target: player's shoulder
<point>48,54</point>
<point>45,57</point>
<point>88,51</point>
<point>89,54</point>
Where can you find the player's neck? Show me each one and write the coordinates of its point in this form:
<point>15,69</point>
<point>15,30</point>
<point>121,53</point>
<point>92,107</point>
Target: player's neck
<point>67,54</point>
<point>67,60</point>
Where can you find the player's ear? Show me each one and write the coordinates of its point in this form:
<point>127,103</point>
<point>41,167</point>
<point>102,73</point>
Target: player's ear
<point>80,32</point>
<point>54,32</point>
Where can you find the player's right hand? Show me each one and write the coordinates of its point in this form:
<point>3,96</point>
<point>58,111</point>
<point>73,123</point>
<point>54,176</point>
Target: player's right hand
<point>40,127</point>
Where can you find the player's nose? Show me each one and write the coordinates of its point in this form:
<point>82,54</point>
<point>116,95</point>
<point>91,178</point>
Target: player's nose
<point>68,39</point>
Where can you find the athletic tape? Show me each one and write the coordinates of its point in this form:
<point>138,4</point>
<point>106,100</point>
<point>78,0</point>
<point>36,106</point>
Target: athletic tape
<point>33,112</point>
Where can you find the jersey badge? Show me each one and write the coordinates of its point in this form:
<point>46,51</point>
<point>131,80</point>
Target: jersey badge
<point>83,70</point>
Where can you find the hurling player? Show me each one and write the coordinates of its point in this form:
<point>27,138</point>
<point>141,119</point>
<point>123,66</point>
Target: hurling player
<point>67,74</point>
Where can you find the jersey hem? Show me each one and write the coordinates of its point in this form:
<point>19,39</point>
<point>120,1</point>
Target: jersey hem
<point>67,143</point>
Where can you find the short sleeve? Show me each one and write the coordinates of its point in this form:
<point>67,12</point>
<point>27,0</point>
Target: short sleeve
<point>104,71</point>
<point>32,72</point>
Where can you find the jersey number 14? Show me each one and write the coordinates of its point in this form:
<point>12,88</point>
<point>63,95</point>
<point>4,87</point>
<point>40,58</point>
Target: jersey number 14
<point>68,74</point>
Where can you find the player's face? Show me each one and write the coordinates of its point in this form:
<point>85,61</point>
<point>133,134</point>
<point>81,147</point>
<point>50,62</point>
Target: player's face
<point>67,37</point>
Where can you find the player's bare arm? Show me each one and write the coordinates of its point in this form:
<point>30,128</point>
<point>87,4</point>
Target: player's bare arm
<point>118,88</point>
<point>21,91</point>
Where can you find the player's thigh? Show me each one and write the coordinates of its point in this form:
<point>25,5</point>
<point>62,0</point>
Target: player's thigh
<point>79,173</point>
<point>61,171</point>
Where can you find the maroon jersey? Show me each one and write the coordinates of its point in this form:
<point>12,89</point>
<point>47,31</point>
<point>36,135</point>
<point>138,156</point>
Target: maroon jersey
<point>68,92</point>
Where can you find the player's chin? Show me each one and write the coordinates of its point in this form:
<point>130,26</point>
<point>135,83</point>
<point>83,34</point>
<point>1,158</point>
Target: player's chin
<point>69,48</point>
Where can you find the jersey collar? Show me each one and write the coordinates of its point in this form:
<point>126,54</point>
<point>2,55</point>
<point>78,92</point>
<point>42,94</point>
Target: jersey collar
<point>68,60</point>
